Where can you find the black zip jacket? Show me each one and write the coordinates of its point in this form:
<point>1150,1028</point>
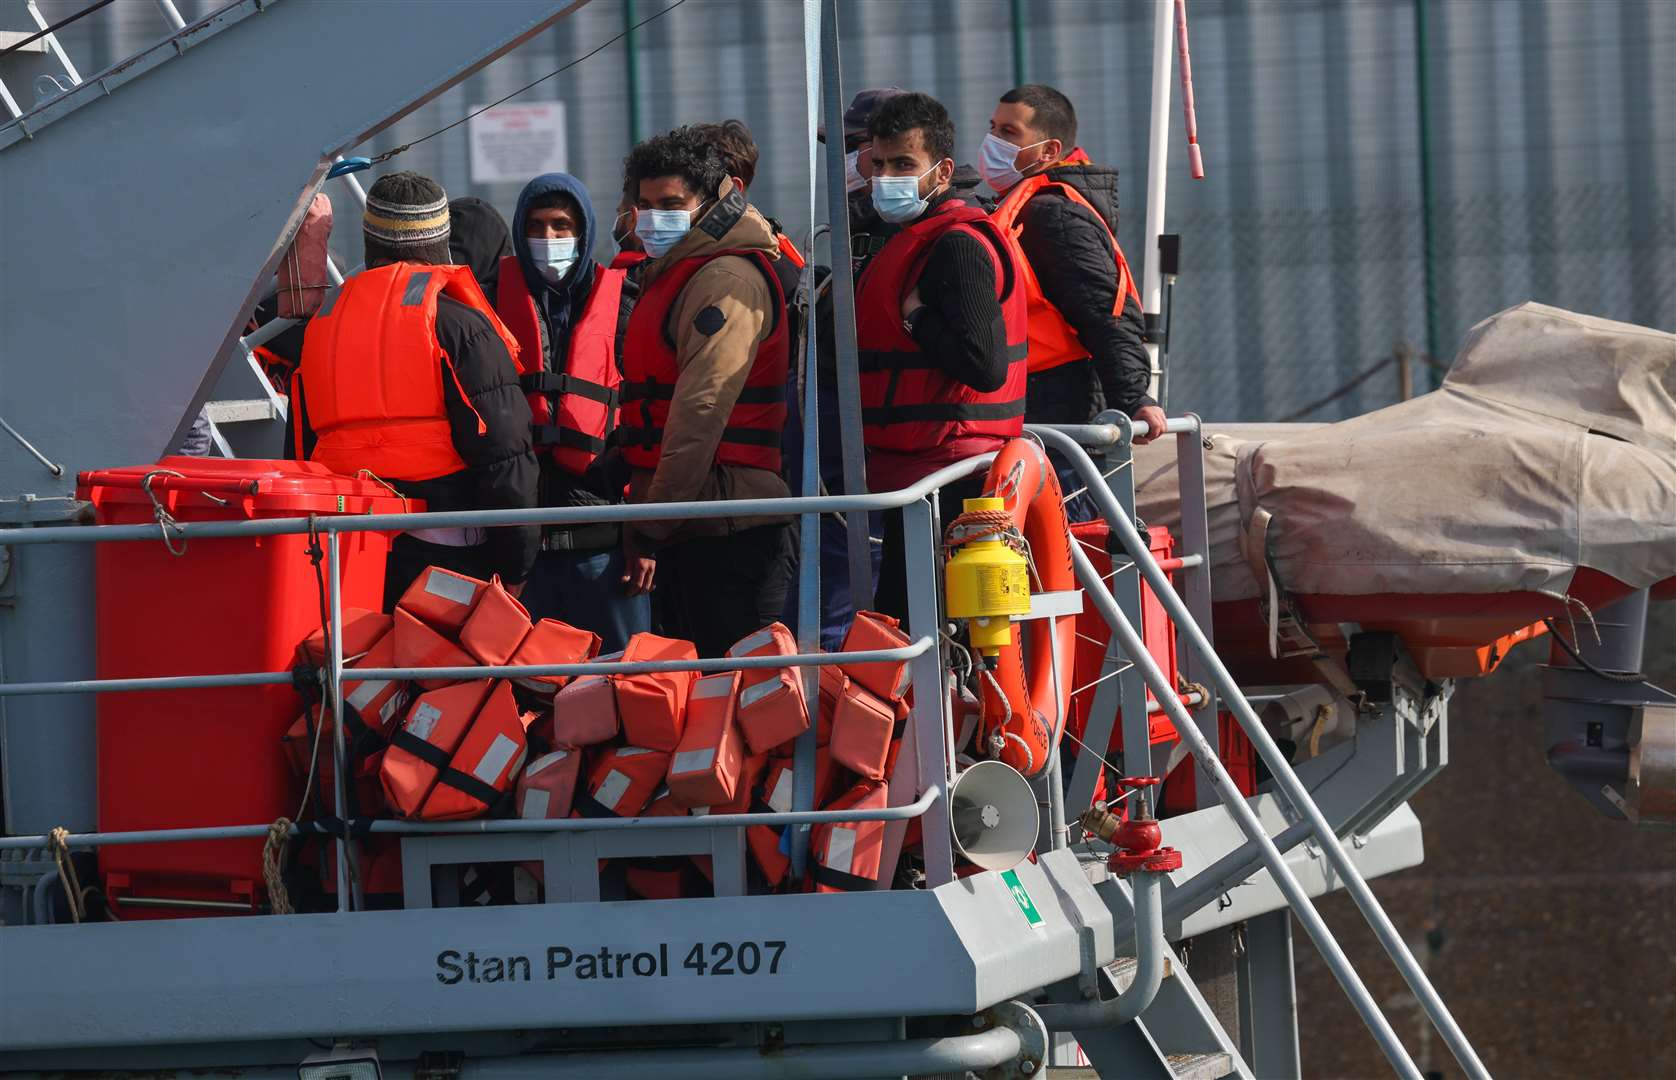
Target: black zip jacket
<point>1072,256</point>
<point>501,471</point>
<point>961,326</point>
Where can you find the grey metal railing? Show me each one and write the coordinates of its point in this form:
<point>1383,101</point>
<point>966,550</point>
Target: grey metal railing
<point>929,715</point>
<point>1280,768</point>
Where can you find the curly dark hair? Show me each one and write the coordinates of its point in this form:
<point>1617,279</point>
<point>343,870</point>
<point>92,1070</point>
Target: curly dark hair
<point>689,152</point>
<point>738,149</point>
<point>906,112</point>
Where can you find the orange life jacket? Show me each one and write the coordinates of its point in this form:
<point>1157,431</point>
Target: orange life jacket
<point>846,854</point>
<point>1052,340</point>
<point>373,372</point>
<point>907,402</point>
<point>789,250</point>
<point>752,435</point>
<point>625,259</point>
<point>573,400</point>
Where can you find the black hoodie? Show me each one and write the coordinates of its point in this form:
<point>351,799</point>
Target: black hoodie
<point>1072,256</point>
<point>477,237</point>
<point>560,307</point>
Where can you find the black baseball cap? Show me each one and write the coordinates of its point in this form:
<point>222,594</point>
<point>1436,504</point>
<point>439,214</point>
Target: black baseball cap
<point>860,113</point>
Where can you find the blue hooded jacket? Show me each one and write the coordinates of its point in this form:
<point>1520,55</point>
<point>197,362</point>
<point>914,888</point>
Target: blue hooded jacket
<point>560,305</point>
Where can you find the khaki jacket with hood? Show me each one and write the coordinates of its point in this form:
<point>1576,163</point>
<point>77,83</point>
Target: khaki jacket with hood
<point>713,367</point>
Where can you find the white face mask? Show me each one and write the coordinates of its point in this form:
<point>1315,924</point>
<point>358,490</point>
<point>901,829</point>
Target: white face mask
<point>554,258</point>
<point>997,161</point>
<point>660,230</point>
<point>853,180</point>
<point>897,198</point>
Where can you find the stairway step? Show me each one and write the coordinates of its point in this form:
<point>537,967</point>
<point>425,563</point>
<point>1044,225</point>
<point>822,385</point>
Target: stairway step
<point>1121,971</point>
<point>1210,1066</point>
<point>241,412</point>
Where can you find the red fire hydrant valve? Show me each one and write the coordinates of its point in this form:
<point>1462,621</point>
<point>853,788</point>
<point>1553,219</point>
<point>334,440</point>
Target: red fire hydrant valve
<point>1137,840</point>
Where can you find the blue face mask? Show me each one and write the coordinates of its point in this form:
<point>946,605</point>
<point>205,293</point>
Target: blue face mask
<point>660,230</point>
<point>554,258</point>
<point>897,198</point>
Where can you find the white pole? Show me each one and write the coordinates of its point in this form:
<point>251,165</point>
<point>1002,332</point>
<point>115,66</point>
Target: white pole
<point>1157,162</point>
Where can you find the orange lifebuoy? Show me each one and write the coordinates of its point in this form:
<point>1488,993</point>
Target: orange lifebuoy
<point>1030,710</point>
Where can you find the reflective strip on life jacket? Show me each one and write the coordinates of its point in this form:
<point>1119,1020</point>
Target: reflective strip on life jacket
<point>847,854</point>
<point>372,372</point>
<point>1052,340</point>
<point>573,403</point>
<point>908,402</point>
<point>752,435</point>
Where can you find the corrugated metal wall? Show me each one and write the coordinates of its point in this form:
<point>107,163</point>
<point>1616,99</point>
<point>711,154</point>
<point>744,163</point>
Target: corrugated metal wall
<point>1553,137</point>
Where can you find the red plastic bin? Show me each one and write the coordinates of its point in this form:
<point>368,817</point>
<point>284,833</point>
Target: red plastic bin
<point>185,758</point>
<point>1093,635</point>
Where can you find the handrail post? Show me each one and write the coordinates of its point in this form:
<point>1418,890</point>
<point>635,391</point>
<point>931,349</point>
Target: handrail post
<point>1281,769</point>
<point>340,753</point>
<point>1131,689</point>
<point>1195,540</point>
<point>930,719</point>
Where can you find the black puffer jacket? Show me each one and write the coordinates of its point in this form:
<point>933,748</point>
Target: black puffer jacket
<point>1072,256</point>
<point>501,471</point>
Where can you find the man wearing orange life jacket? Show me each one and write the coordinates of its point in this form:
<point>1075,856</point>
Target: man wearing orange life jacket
<point>940,324</point>
<point>704,379</point>
<point>1059,212</point>
<point>569,314</point>
<point>407,374</point>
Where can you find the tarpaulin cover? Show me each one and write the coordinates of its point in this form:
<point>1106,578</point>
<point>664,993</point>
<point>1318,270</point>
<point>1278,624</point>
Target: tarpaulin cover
<point>1550,446</point>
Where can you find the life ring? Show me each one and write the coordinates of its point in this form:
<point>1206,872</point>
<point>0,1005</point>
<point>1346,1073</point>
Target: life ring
<point>1029,712</point>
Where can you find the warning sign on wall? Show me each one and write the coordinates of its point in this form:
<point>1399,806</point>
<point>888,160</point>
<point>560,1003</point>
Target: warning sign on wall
<point>512,143</point>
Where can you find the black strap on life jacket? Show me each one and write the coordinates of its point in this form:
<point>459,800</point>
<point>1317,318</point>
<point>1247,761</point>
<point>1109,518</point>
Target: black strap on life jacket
<point>430,753</point>
<point>918,360</point>
<point>941,412</point>
<point>558,435</point>
<point>589,807</point>
<point>649,434</point>
<point>846,882</point>
<point>653,390</point>
<point>486,794</point>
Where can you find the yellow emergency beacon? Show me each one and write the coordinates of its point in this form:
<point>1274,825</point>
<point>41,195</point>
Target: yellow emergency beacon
<point>987,583</point>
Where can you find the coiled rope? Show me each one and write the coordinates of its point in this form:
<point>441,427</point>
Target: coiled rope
<point>58,842</point>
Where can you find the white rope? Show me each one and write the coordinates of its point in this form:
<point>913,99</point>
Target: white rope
<point>165,520</point>
<point>1103,678</point>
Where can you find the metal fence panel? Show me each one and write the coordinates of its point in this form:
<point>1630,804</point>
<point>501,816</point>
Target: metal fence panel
<point>1552,132</point>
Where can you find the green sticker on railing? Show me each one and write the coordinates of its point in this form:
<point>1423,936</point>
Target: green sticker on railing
<point>1021,896</point>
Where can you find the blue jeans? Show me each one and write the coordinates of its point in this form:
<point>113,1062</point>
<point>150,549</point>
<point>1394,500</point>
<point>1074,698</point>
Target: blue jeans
<point>837,609</point>
<point>1078,507</point>
<point>585,589</point>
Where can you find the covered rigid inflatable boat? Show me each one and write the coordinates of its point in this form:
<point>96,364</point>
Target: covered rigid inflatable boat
<point>1538,482</point>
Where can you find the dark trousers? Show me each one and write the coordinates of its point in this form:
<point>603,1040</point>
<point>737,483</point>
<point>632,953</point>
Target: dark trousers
<point>891,597</point>
<point>410,557</point>
<point>585,589</point>
<point>715,590</point>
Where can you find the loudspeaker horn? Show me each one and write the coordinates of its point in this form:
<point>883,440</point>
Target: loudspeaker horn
<point>995,816</point>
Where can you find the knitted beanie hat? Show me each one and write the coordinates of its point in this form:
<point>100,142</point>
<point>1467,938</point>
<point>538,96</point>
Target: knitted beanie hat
<point>406,220</point>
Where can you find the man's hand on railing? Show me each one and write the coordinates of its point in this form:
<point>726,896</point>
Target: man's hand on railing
<point>1154,419</point>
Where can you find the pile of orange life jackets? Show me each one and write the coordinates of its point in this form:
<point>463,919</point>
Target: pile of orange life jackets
<point>649,744</point>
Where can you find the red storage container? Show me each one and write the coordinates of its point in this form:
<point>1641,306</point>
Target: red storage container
<point>1093,634</point>
<point>183,758</point>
